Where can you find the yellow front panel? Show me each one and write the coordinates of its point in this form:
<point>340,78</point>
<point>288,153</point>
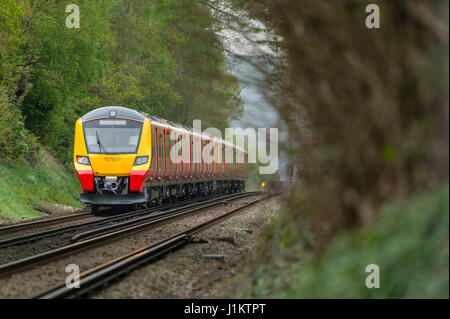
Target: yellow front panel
<point>112,165</point>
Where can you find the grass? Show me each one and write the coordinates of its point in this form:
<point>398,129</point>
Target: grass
<point>409,242</point>
<point>25,188</point>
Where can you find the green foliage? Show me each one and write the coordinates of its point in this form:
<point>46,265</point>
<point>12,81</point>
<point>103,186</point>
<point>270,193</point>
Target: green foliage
<point>168,62</point>
<point>161,57</point>
<point>16,142</point>
<point>65,63</point>
<point>11,14</point>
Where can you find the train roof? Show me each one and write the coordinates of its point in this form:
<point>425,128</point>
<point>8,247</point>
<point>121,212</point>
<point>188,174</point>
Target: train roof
<point>114,112</point>
<point>123,112</point>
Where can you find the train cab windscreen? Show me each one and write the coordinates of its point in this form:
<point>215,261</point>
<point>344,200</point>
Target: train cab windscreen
<point>112,136</point>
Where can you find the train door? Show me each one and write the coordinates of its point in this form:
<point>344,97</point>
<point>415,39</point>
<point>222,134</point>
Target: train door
<point>222,159</point>
<point>180,153</point>
<point>245,166</point>
<point>195,157</point>
<point>199,158</point>
<point>232,161</point>
<point>224,149</point>
<point>202,144</point>
<point>213,157</point>
<point>188,155</point>
<point>227,162</point>
<point>155,151</point>
<point>169,165</point>
<point>161,159</point>
<point>166,155</point>
<point>191,156</point>
<point>186,148</point>
<point>238,165</point>
<point>217,158</point>
<point>175,163</point>
<point>208,165</point>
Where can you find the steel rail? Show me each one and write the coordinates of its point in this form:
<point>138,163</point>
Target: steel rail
<point>107,229</point>
<point>70,228</point>
<point>15,266</point>
<point>115,268</point>
<point>42,223</point>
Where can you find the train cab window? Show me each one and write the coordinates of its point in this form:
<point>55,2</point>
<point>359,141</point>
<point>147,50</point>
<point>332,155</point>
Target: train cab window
<point>112,136</point>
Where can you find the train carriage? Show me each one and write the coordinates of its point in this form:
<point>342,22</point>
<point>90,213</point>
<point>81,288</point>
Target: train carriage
<point>123,157</point>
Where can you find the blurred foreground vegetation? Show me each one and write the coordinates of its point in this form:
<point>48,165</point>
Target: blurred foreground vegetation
<point>367,112</point>
<point>409,242</point>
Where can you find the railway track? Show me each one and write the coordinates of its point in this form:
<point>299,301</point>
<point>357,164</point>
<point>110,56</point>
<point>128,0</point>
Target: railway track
<point>117,267</point>
<point>14,228</point>
<point>113,233</point>
<point>23,239</point>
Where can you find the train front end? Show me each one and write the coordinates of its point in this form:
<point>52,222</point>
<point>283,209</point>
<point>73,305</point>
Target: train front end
<point>112,156</point>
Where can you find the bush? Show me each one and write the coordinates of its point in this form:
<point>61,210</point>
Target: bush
<point>16,142</point>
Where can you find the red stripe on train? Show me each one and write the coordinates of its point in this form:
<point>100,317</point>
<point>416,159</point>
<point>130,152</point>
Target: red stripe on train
<point>87,179</point>
<point>137,180</point>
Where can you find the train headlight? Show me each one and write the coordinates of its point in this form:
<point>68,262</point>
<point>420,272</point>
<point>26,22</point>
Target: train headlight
<point>83,160</point>
<point>140,160</point>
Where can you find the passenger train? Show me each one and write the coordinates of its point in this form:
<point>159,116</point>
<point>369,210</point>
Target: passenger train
<point>122,157</point>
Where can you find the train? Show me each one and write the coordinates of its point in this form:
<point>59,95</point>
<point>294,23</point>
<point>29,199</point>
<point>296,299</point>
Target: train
<point>123,157</point>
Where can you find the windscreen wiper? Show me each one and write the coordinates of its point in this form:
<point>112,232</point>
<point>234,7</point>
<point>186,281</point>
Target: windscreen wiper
<point>100,145</point>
